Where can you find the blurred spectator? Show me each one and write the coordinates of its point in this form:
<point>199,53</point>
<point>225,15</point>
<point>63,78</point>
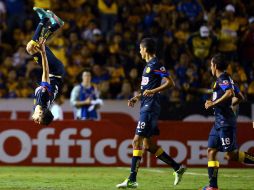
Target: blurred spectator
<point>2,19</point>
<point>201,45</point>
<point>84,99</point>
<point>247,46</point>
<point>126,91</point>
<point>45,4</point>
<point>192,10</point>
<point>15,13</point>
<point>56,108</point>
<point>108,12</point>
<point>228,34</point>
<point>99,76</point>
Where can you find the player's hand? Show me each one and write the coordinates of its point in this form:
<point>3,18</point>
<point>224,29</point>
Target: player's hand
<point>41,45</point>
<point>132,101</point>
<point>148,93</point>
<point>208,104</point>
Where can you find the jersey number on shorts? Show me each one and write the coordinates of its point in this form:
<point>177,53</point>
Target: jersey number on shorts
<point>225,141</point>
<point>141,125</point>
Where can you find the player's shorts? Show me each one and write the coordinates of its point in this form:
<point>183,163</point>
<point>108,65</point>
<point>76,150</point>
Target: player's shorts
<point>147,124</point>
<point>56,85</point>
<point>223,139</point>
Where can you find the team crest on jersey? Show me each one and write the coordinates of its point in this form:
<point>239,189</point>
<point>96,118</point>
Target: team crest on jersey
<point>163,69</point>
<point>145,80</point>
<point>148,69</point>
<point>225,82</point>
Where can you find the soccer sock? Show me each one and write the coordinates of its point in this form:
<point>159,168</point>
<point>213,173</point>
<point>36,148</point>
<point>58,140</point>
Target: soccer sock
<point>246,158</point>
<point>39,28</point>
<point>213,167</point>
<point>135,162</point>
<point>47,32</point>
<point>163,156</point>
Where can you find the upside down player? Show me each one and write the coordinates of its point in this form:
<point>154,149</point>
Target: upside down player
<point>151,85</point>
<point>52,68</point>
<point>222,136</point>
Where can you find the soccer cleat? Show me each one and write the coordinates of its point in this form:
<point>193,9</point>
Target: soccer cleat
<point>209,188</point>
<point>179,174</point>
<point>127,184</point>
<point>55,19</point>
<point>41,13</point>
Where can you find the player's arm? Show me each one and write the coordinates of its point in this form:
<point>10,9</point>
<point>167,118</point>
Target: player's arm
<point>168,82</point>
<point>132,101</point>
<point>239,97</point>
<point>228,94</point>
<point>74,99</point>
<point>45,66</point>
<point>83,102</point>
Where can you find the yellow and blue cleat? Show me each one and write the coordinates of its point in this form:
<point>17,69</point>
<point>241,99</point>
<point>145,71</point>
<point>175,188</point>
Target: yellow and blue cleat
<point>55,19</point>
<point>127,184</point>
<point>41,13</point>
<point>179,174</point>
<point>209,188</point>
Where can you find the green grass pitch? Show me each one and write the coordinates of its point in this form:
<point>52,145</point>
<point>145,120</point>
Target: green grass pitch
<point>105,178</point>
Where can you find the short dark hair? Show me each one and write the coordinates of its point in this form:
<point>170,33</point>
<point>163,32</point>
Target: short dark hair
<point>47,117</point>
<point>220,62</point>
<point>149,44</point>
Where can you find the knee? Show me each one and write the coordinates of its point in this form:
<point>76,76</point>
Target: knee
<point>211,151</point>
<point>136,144</point>
<point>146,147</point>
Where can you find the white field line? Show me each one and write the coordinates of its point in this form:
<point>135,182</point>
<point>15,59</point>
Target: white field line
<point>189,173</point>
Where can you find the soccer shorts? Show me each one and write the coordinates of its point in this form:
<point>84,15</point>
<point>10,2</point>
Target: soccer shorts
<point>223,139</point>
<point>147,124</point>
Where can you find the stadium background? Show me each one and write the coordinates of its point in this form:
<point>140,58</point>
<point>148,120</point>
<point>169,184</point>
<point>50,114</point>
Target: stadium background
<point>103,35</point>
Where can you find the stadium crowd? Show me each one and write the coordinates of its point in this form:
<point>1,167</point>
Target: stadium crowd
<point>103,35</point>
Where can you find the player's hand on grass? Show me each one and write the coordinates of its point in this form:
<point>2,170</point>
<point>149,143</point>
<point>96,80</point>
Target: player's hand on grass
<point>148,93</point>
<point>208,104</point>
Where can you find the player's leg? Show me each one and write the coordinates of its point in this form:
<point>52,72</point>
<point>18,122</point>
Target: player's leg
<point>213,163</point>
<point>55,22</point>
<point>245,157</point>
<point>179,169</point>
<point>232,152</point>
<point>131,182</point>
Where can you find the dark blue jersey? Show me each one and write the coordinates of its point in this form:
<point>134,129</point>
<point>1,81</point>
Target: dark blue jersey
<point>46,93</point>
<point>55,65</point>
<point>224,115</point>
<point>152,78</point>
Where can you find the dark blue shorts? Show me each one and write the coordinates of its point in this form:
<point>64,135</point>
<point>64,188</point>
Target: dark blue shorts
<point>223,139</point>
<point>56,85</point>
<point>147,124</point>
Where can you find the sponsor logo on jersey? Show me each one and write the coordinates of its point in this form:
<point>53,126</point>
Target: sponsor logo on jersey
<point>145,80</point>
<point>163,69</point>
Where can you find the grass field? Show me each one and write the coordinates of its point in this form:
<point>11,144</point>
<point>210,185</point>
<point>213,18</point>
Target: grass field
<point>105,178</point>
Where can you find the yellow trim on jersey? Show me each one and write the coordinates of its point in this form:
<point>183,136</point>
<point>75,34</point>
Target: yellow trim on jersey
<point>137,152</point>
<point>159,152</point>
<point>213,164</point>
